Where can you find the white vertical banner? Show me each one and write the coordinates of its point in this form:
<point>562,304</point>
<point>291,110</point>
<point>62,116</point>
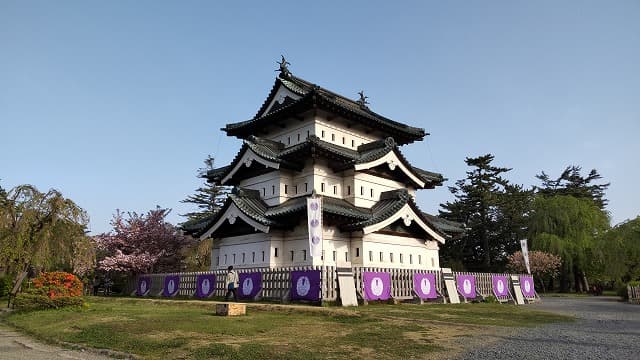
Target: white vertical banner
<point>314,217</point>
<point>525,254</point>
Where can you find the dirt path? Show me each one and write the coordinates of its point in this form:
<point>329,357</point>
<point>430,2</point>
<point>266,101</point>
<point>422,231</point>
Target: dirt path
<point>15,346</point>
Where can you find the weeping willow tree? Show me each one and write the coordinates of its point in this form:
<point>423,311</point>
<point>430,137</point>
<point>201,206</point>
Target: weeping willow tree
<point>620,247</point>
<point>39,230</point>
<point>569,227</point>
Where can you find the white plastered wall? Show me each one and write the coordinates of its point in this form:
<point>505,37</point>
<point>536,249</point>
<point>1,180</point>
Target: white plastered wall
<point>399,252</point>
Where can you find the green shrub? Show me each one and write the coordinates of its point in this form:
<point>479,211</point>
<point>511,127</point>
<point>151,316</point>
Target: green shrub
<point>29,302</point>
<point>622,292</point>
<point>490,299</point>
<point>5,285</point>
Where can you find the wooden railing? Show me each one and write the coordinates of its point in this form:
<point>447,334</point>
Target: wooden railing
<point>634,294</point>
<point>276,282</point>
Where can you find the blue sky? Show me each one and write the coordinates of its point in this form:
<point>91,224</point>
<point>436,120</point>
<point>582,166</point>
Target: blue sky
<point>117,103</point>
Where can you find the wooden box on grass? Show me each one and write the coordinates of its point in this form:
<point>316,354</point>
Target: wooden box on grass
<point>231,309</point>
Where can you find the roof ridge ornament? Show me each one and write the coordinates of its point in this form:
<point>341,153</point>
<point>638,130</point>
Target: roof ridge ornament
<point>284,70</point>
<point>363,100</point>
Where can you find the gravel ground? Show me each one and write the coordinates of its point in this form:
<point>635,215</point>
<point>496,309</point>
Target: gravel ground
<point>605,329</point>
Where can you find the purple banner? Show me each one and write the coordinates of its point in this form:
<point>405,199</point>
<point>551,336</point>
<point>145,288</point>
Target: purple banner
<point>144,285</point>
<point>171,285</point>
<point>467,286</point>
<point>250,284</point>
<point>205,285</point>
<point>526,284</point>
<point>500,285</point>
<point>377,285</point>
<point>305,285</point>
<point>425,285</point>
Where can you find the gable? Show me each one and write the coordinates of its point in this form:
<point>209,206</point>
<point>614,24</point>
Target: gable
<point>232,215</point>
<point>281,98</point>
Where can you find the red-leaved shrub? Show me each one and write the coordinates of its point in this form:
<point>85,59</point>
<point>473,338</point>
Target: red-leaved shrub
<point>57,284</point>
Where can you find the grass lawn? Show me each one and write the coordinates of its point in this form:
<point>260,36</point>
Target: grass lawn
<point>173,329</point>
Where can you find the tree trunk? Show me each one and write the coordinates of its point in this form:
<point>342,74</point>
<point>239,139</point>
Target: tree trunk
<point>564,279</point>
<point>585,283</point>
<point>541,280</point>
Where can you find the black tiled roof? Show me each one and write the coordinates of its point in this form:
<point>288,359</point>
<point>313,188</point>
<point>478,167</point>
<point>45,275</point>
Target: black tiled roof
<point>330,205</point>
<point>445,225</point>
<point>354,218</point>
<point>315,96</point>
<point>293,156</point>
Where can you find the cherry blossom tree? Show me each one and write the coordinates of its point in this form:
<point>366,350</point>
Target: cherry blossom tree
<point>141,243</point>
<point>541,264</point>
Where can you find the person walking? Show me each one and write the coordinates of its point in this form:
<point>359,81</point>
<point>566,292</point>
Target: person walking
<point>232,284</point>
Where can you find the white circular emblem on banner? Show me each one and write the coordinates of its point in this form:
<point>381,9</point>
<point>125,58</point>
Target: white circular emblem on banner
<point>247,286</point>
<point>171,287</point>
<point>527,285</point>
<point>466,286</point>
<point>143,286</point>
<point>425,286</point>
<point>377,286</point>
<point>303,286</point>
<point>205,286</point>
<point>500,286</point>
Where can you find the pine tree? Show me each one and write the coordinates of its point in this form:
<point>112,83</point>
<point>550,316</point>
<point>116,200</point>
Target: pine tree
<point>208,198</point>
<point>492,210</point>
<point>572,183</point>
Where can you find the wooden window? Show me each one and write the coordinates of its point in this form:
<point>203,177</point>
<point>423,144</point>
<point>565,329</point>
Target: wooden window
<point>286,188</point>
<point>335,189</point>
<point>381,257</point>
<point>322,134</point>
<point>361,190</point>
<point>372,193</point>
<point>243,258</point>
<point>401,259</point>
<point>357,252</point>
<point>321,187</point>
<point>334,256</point>
<point>370,255</point>
<point>420,259</point>
<point>348,189</point>
<point>291,255</point>
<point>275,253</point>
<point>333,137</point>
<point>253,257</point>
<point>304,255</point>
<point>410,259</point>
